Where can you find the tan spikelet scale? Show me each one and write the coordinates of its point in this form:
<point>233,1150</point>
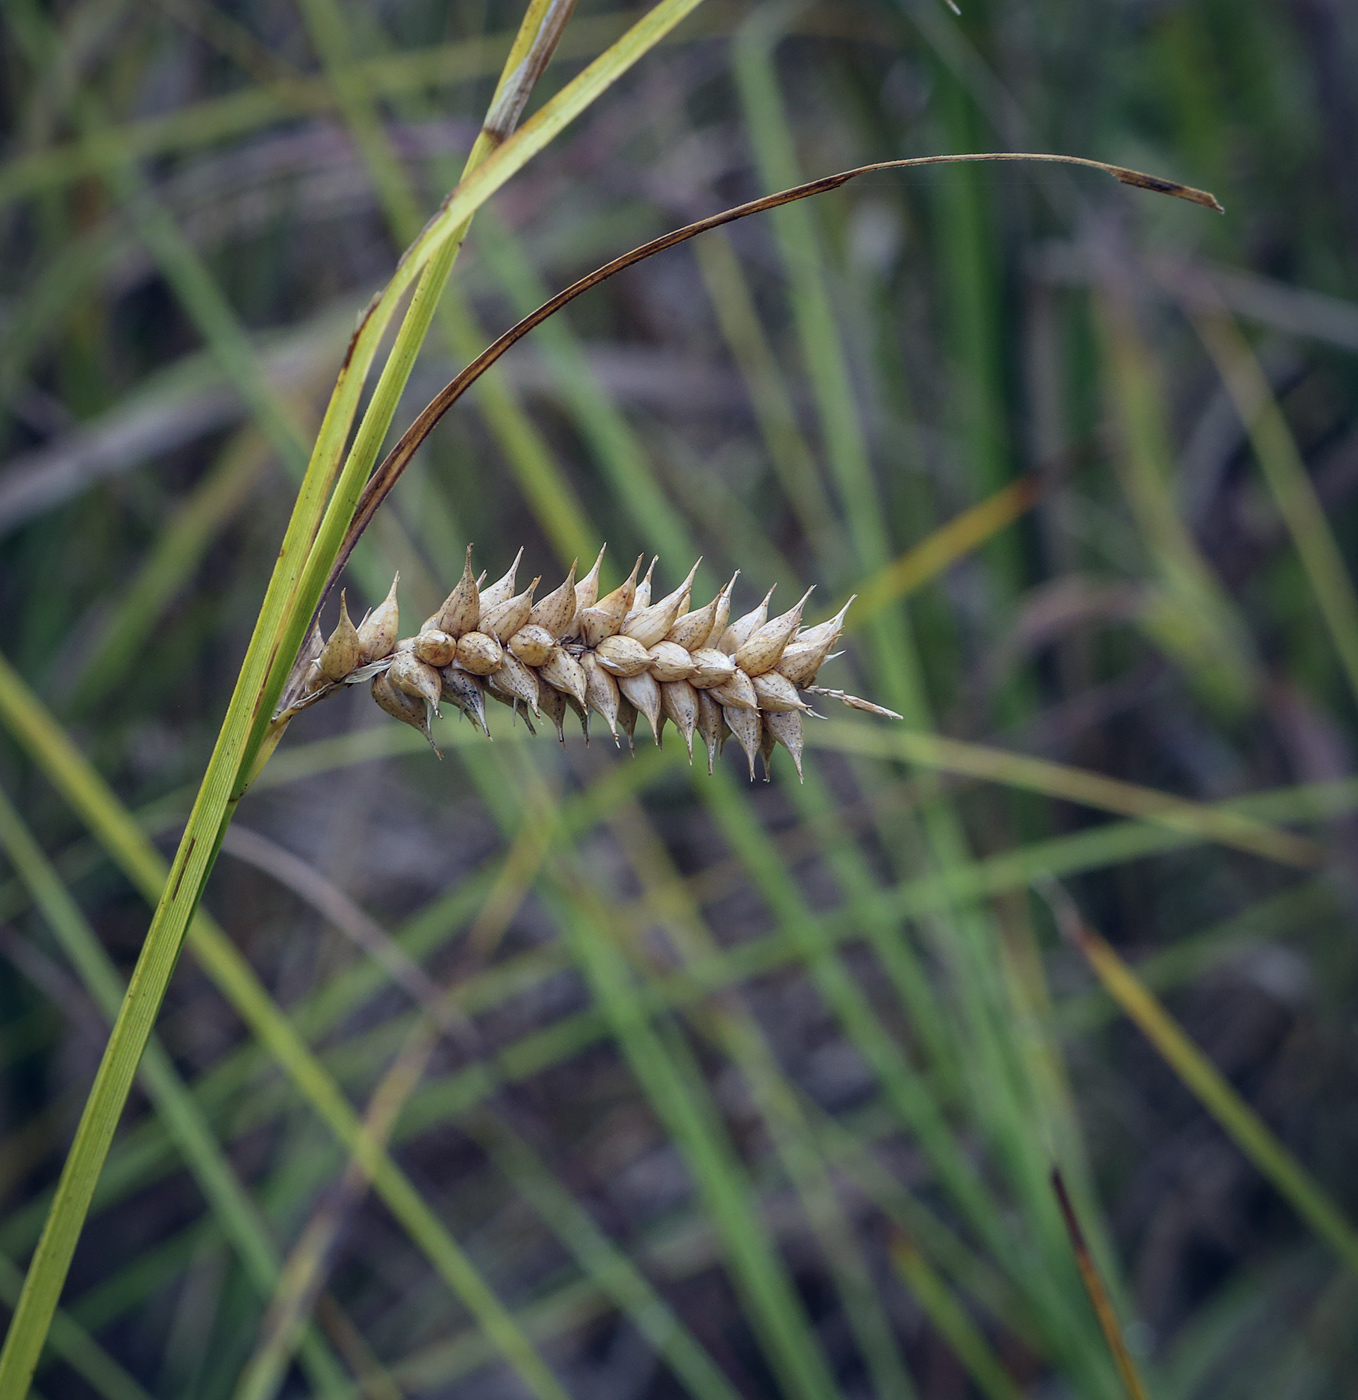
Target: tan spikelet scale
<point>378,631</point>
<point>693,629</point>
<point>555,613</point>
<point>710,667</point>
<point>504,619</point>
<point>563,672</point>
<point>748,729</point>
<point>462,607</point>
<point>651,624</point>
<point>737,693</point>
<point>341,653</point>
<point>786,729</point>
<point>415,677</point>
<point>502,590</point>
<point>407,708</point>
<point>606,616</point>
<point>775,693</point>
<point>679,701</point>
<point>670,662</point>
<point>601,693</point>
<point>643,691</point>
<point>736,634</point>
<point>532,644</point>
<point>623,655</point>
<point>435,649</point>
<point>478,653</point>
<point>468,693</point>
<point>762,648</point>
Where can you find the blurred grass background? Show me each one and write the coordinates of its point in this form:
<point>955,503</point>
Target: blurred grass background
<point>742,1090</point>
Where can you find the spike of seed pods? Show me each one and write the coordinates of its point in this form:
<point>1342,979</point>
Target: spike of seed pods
<point>619,656</point>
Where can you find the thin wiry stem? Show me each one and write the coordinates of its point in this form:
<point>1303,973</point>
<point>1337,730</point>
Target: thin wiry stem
<point>394,464</point>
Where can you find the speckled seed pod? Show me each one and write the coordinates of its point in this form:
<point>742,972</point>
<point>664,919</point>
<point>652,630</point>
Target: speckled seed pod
<point>737,633</point>
<point>502,620</point>
<point>521,681</point>
<point>693,629</point>
<point>737,693</point>
<point>407,708</point>
<point>786,729</point>
<point>606,616</point>
<point>710,667</point>
<point>622,656</point>
<point>435,649</point>
<point>748,729</point>
<point>601,693</point>
<point>462,607</point>
<point>670,662</point>
<point>413,676</point>
<point>502,590</point>
<point>532,644</point>
<point>651,624</point>
<point>761,650</point>
<point>643,691</point>
<point>342,651</point>
<point>564,673</point>
<point>679,701</point>
<point>555,613</point>
<point>552,703</point>
<point>586,595</point>
<point>468,693</point>
<point>479,653</point>
<point>774,693</point>
<point>378,631</point>
<point>711,725</point>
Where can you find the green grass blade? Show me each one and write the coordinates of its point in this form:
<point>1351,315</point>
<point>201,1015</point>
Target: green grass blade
<point>1275,450</point>
<point>1072,784</point>
<point>1198,1074</point>
<point>231,1204</point>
